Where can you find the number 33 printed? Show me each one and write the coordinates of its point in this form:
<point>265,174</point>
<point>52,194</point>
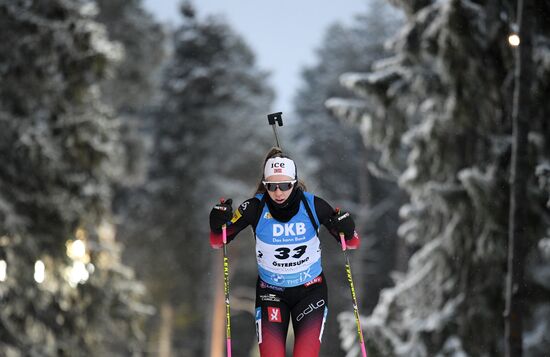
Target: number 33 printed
<point>284,252</point>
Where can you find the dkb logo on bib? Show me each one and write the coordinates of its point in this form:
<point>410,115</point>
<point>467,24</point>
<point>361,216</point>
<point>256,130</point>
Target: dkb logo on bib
<point>289,229</point>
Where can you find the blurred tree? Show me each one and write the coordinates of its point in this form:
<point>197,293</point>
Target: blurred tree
<point>58,147</point>
<point>333,150</point>
<point>333,158</point>
<point>132,84</point>
<point>446,95</point>
<point>208,128</point>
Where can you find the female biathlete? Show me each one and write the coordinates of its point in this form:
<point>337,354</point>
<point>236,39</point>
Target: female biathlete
<point>291,284</point>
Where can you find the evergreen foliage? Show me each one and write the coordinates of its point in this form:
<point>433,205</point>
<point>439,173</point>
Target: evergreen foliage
<point>58,145</point>
<point>208,128</point>
<point>446,95</point>
<point>94,104</point>
<point>332,156</point>
<point>131,85</point>
<point>334,150</point>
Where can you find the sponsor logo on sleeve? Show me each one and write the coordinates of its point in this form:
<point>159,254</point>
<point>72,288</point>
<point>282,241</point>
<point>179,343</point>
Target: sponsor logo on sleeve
<point>236,215</point>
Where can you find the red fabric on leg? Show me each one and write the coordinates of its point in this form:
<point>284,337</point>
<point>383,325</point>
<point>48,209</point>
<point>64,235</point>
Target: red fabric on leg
<point>308,332</point>
<point>273,341</point>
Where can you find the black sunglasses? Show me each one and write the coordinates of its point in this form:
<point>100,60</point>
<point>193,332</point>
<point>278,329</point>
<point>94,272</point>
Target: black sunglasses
<point>282,185</point>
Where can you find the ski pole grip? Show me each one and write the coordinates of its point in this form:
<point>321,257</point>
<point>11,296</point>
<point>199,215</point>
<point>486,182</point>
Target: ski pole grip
<point>343,241</point>
<point>224,234</point>
<point>342,236</point>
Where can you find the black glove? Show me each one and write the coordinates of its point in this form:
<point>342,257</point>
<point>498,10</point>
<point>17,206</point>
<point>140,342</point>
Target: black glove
<point>341,222</point>
<point>220,215</point>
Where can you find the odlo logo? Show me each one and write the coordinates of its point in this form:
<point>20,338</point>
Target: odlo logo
<point>289,229</point>
<point>310,308</point>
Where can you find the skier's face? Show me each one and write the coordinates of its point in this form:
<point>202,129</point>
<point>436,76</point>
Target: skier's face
<point>279,196</point>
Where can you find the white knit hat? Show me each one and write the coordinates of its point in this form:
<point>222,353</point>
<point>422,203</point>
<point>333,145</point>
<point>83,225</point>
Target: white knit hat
<point>280,166</point>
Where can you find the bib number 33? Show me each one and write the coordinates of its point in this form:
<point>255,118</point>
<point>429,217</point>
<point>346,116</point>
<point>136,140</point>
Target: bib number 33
<point>284,253</point>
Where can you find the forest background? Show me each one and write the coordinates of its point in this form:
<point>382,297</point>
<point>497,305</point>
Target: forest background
<point>117,135</point>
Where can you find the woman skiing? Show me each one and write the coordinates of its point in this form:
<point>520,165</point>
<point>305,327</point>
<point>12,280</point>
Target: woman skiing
<point>291,285</point>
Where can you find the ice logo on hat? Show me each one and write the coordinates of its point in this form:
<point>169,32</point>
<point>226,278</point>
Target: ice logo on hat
<point>280,166</point>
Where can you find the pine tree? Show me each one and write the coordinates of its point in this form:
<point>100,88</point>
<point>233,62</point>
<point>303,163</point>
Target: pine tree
<point>334,160</point>
<point>328,143</point>
<point>209,127</point>
<point>446,95</point>
<point>131,86</point>
<point>58,145</point>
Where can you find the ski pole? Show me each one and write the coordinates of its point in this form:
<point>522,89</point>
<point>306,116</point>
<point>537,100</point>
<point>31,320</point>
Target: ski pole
<point>226,290</point>
<point>353,297</point>
<point>272,119</point>
<point>226,286</point>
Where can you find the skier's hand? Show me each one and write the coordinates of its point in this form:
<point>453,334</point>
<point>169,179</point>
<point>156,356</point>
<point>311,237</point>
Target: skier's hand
<point>220,215</point>
<point>341,222</point>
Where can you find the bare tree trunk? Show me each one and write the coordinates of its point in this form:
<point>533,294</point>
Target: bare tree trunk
<point>517,233</point>
<point>165,335</point>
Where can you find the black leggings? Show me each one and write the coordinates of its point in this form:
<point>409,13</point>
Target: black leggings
<point>306,304</point>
